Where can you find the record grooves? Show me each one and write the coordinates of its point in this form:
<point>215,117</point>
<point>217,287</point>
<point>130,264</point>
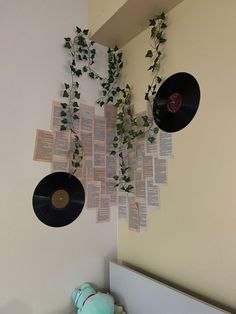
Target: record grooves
<point>176,102</point>
<point>58,199</point>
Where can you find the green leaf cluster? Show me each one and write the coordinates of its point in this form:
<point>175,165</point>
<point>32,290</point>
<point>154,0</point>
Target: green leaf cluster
<point>158,26</point>
<point>128,126</point>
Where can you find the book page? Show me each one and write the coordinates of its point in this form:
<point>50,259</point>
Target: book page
<point>56,116</point>
<point>147,167</point>
<point>160,171</point>
<point>134,223</point>
<point>110,113</point>
<point>152,191</point>
<point>110,134</point>
<point>142,207</point>
<point>61,144</point>
<point>112,191</point>
<point>88,169</point>
<point>93,194</point>
<point>99,174</point>
<point>99,129</point>
<point>132,164</point>
<point>60,165</point>
<point>87,143</point>
<point>123,206</point>
<point>140,149</point>
<point>43,146</point>
<point>140,189</point>
<point>104,210</point>
<point>165,145</point>
<point>111,166</point>
<point>99,154</point>
<point>151,148</point>
<point>87,114</point>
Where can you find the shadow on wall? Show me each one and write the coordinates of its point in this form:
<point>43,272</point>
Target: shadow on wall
<point>62,311</point>
<point>18,307</point>
<point>15,306</point>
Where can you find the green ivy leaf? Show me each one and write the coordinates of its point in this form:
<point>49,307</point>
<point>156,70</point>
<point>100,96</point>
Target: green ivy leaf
<point>67,39</point>
<point>75,117</point>
<point>67,86</point>
<point>151,139</point>
<point>152,22</point>
<point>63,113</point>
<point>153,32</point>
<point>162,16</point>
<point>85,31</point>
<point>91,74</point>
<point>63,128</point>
<point>77,95</point>
<point>78,72</point>
<point>67,45</point>
<point>146,96</point>
<point>149,54</point>
<point>65,94</point>
<point>64,121</point>
<point>156,130</point>
<point>78,30</point>
<point>162,40</point>
<point>64,105</point>
<point>116,178</point>
<point>129,188</point>
<point>85,69</point>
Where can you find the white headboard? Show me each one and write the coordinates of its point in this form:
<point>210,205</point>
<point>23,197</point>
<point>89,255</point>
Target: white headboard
<point>140,294</point>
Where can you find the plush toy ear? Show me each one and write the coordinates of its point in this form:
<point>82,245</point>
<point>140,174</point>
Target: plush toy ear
<point>85,285</point>
<point>74,295</point>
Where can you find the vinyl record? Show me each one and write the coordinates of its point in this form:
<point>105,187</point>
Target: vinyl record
<point>176,102</point>
<point>58,199</point>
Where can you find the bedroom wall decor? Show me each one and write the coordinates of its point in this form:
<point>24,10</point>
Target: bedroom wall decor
<point>82,53</point>
<point>120,158</point>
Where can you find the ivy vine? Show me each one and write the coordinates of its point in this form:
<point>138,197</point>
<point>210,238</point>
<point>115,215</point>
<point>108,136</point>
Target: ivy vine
<point>82,53</point>
<point>158,26</point>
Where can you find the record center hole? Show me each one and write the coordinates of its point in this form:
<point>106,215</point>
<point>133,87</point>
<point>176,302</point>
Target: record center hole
<point>60,199</point>
<point>174,102</point>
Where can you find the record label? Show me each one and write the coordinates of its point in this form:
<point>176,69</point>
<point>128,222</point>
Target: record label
<point>58,199</point>
<point>176,102</point>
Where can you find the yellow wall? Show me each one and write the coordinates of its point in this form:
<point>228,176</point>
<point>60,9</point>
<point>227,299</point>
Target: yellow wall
<point>100,11</point>
<point>191,239</point>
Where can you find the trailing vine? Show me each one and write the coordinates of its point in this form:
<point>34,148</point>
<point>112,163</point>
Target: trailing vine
<point>128,127</point>
<point>158,26</point>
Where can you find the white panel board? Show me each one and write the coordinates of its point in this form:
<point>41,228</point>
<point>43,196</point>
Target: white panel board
<point>140,294</point>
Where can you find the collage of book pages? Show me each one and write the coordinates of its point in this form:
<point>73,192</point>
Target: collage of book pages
<point>147,164</point>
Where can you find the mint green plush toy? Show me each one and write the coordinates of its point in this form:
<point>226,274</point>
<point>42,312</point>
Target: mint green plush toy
<point>88,301</point>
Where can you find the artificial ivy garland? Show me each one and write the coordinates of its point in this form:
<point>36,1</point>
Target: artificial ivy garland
<point>158,26</point>
<point>128,127</point>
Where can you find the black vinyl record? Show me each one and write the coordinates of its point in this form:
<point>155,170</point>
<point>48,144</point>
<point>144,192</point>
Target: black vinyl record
<point>176,102</point>
<point>58,199</point>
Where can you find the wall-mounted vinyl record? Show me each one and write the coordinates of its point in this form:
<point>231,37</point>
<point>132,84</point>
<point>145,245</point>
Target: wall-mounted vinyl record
<point>176,102</point>
<point>58,199</point>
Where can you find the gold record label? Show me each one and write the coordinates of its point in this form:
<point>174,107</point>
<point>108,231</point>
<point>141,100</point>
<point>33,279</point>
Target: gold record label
<point>60,199</point>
